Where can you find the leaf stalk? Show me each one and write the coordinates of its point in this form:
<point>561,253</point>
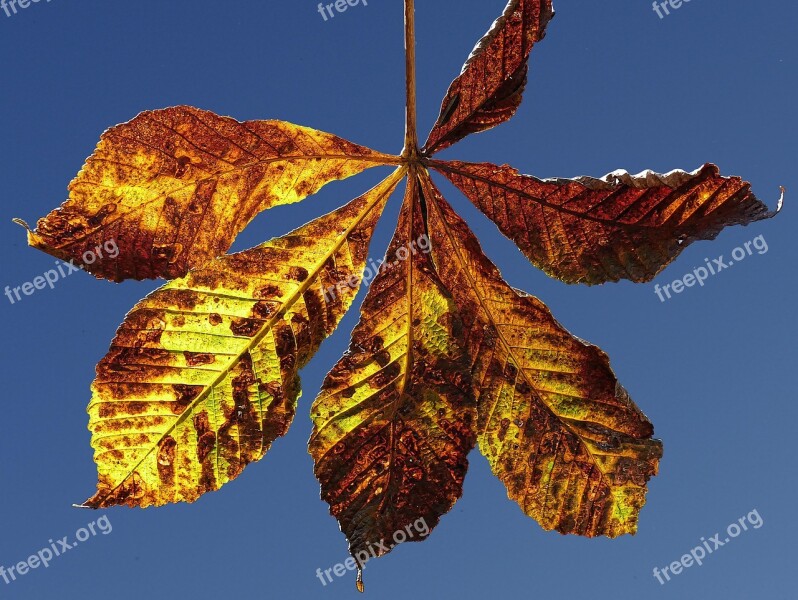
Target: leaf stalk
<point>410,151</point>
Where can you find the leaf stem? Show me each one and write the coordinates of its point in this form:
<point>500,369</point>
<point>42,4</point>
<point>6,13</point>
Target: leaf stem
<point>411,137</point>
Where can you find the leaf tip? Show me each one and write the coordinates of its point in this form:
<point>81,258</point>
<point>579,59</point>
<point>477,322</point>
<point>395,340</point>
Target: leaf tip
<point>22,223</point>
<point>33,240</point>
<point>780,203</point>
<point>360,587</point>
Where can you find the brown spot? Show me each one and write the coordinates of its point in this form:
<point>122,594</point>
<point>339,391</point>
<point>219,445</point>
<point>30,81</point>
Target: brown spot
<point>522,387</point>
<point>273,388</point>
<point>376,344</point>
<point>208,279</point>
<point>385,376</point>
<point>285,345</point>
<point>287,362</point>
<point>206,439</point>
<point>167,252</point>
<point>495,368</point>
<point>112,409</point>
<point>181,168</point>
<point>263,310</point>
<point>199,358</point>
<point>268,291</point>
<point>245,327</point>
<point>510,371</point>
<point>119,356</point>
<point>549,442</point>
<point>166,460</point>
<point>503,427</point>
<point>125,390</point>
<point>129,492</point>
<point>383,357</point>
<point>298,273</point>
<point>181,299</point>
<point>358,236</point>
<point>302,336</point>
<point>171,211</point>
<point>277,419</point>
<point>101,215</point>
<point>316,314</point>
<point>150,337</point>
<point>185,395</point>
<point>201,422</point>
<point>339,374</point>
<point>108,410</point>
<point>214,319</point>
<point>245,445</point>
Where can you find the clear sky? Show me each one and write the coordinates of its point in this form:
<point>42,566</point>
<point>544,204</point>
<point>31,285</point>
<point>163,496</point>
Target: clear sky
<point>612,86</point>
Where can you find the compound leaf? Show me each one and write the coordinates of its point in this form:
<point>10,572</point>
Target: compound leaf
<point>489,89</point>
<point>556,426</point>
<point>202,376</point>
<point>623,226</point>
<point>173,187</point>
<point>393,422</point>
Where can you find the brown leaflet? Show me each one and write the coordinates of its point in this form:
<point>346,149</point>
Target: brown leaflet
<point>623,226</point>
<point>393,422</point>
<point>556,426</point>
<point>488,91</point>
<point>202,376</point>
<point>172,188</point>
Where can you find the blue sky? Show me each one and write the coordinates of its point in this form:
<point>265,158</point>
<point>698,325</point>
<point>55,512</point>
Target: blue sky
<point>612,86</point>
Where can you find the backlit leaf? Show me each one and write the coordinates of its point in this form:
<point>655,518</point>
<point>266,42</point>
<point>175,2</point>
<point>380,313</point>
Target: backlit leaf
<point>202,376</point>
<point>623,226</point>
<point>556,426</point>
<point>488,91</point>
<point>393,422</point>
<point>173,187</point>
